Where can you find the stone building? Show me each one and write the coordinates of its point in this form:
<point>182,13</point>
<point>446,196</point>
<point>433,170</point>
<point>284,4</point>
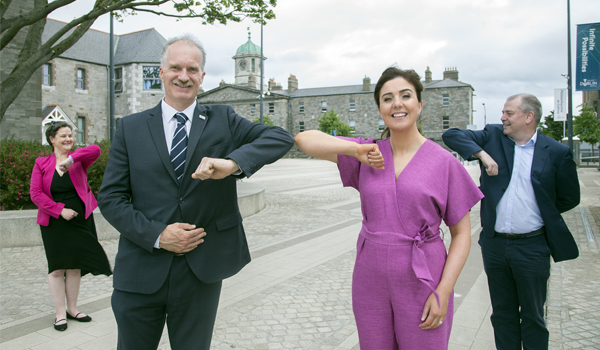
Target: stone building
<point>23,117</point>
<point>78,82</point>
<point>447,102</point>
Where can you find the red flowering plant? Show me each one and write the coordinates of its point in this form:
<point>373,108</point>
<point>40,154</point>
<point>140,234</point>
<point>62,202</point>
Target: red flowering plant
<point>17,158</point>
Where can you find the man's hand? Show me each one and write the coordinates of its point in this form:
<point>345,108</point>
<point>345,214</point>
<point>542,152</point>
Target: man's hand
<point>65,165</point>
<point>491,167</point>
<point>215,168</point>
<point>181,237</point>
<point>370,155</point>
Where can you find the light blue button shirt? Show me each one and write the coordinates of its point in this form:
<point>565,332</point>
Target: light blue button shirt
<point>518,211</point>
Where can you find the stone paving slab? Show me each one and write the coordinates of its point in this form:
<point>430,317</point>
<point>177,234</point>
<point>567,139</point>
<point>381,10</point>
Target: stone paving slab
<point>294,295</point>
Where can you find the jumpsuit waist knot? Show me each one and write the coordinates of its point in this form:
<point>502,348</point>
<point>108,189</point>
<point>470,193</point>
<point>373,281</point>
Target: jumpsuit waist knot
<point>418,262</point>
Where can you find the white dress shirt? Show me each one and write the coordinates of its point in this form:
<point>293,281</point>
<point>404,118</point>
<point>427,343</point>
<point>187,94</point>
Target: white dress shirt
<point>518,211</point>
<point>170,123</point>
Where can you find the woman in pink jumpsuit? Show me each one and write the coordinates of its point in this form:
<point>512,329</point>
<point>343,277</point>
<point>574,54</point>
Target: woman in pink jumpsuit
<point>402,286</point>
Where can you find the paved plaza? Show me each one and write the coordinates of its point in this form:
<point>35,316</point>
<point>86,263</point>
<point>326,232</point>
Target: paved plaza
<point>296,292</point>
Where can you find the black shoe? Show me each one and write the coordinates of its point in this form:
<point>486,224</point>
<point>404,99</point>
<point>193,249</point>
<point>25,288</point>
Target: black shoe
<point>60,327</point>
<point>85,318</point>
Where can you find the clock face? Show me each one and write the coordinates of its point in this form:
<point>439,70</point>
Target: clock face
<point>242,64</point>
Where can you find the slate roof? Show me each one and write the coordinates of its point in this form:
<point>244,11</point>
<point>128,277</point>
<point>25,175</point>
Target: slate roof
<point>358,89</point>
<point>446,83</point>
<point>138,47</point>
<point>332,90</point>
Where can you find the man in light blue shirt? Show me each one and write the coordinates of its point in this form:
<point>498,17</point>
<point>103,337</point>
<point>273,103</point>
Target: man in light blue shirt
<point>528,179</point>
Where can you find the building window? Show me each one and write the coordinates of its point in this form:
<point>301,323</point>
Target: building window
<point>381,125</point>
<point>271,108</point>
<point>253,66</point>
<point>301,107</point>
<point>47,74</point>
<point>81,130</point>
<point>81,79</point>
<point>252,109</point>
<point>445,100</point>
<point>151,78</point>
<point>352,105</point>
<point>301,126</point>
<point>323,106</point>
<point>596,105</point>
<point>119,79</point>
<point>352,126</point>
<point>445,122</point>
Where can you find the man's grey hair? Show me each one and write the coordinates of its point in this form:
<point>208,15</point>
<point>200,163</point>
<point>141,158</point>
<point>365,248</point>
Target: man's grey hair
<point>188,38</point>
<point>529,103</point>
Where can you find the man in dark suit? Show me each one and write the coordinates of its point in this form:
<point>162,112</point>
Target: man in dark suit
<point>170,190</point>
<point>528,179</point>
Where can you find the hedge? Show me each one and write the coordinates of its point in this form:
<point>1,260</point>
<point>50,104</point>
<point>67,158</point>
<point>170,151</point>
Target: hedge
<point>17,158</point>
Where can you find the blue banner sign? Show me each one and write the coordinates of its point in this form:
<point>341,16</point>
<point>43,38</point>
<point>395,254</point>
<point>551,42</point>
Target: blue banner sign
<point>588,57</point>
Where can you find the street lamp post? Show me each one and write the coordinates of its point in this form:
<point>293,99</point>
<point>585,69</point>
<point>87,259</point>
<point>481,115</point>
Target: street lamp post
<point>261,73</point>
<point>484,115</point>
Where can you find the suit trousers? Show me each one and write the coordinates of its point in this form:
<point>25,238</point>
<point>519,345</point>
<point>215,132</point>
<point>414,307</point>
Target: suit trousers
<point>188,305</point>
<point>517,272</point>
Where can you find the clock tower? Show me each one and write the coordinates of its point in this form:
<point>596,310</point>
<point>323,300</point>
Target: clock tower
<point>247,64</point>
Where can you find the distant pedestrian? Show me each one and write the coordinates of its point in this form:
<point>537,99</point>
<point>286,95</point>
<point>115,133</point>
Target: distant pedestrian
<point>402,286</point>
<point>528,179</point>
<point>65,203</point>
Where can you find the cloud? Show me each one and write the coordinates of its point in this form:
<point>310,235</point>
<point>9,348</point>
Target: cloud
<point>500,47</point>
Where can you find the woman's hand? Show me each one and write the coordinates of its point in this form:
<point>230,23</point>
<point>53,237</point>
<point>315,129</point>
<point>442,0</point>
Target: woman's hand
<point>433,316</point>
<point>65,165</point>
<point>68,214</point>
<point>370,155</point>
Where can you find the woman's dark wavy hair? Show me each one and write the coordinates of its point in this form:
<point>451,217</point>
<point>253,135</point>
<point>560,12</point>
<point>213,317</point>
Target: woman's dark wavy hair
<point>53,129</point>
<point>392,73</point>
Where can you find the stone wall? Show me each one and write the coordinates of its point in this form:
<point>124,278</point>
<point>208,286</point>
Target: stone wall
<point>23,118</point>
<point>459,110</point>
<point>365,115</point>
<point>134,98</point>
<point>91,102</point>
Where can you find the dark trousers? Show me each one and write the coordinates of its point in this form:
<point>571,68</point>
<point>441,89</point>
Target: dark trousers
<point>517,272</point>
<point>188,305</point>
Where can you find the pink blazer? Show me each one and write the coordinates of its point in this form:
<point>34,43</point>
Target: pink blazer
<point>41,179</point>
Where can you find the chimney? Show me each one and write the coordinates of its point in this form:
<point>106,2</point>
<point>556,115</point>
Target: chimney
<point>222,83</point>
<point>428,75</point>
<point>251,81</point>
<point>366,84</point>
<point>292,83</point>
<point>451,73</point>
<point>271,84</point>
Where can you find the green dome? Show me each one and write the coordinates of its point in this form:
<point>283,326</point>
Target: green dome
<point>249,46</point>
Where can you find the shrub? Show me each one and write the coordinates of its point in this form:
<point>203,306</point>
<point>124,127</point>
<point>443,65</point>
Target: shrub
<point>17,158</point>
<point>266,120</point>
<point>331,121</point>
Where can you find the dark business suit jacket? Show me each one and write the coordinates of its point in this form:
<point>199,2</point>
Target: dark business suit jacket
<point>140,194</point>
<point>553,177</point>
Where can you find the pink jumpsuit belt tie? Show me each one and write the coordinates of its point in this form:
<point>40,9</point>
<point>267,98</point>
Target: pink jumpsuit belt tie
<point>419,264</point>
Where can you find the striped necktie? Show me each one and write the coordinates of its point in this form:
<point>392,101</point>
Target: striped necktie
<point>179,146</point>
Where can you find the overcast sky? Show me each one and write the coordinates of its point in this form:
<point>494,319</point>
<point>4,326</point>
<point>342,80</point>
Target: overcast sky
<point>500,47</point>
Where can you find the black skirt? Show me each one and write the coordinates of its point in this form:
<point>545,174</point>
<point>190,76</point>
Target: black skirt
<point>72,244</point>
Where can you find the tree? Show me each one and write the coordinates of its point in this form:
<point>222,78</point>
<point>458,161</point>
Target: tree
<point>331,121</point>
<point>586,126</point>
<point>266,120</point>
<point>552,128</point>
<point>34,53</point>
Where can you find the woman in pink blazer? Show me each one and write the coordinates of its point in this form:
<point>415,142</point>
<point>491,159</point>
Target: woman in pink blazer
<point>65,204</point>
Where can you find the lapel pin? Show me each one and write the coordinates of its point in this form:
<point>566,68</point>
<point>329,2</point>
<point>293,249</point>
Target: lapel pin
<point>201,116</point>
